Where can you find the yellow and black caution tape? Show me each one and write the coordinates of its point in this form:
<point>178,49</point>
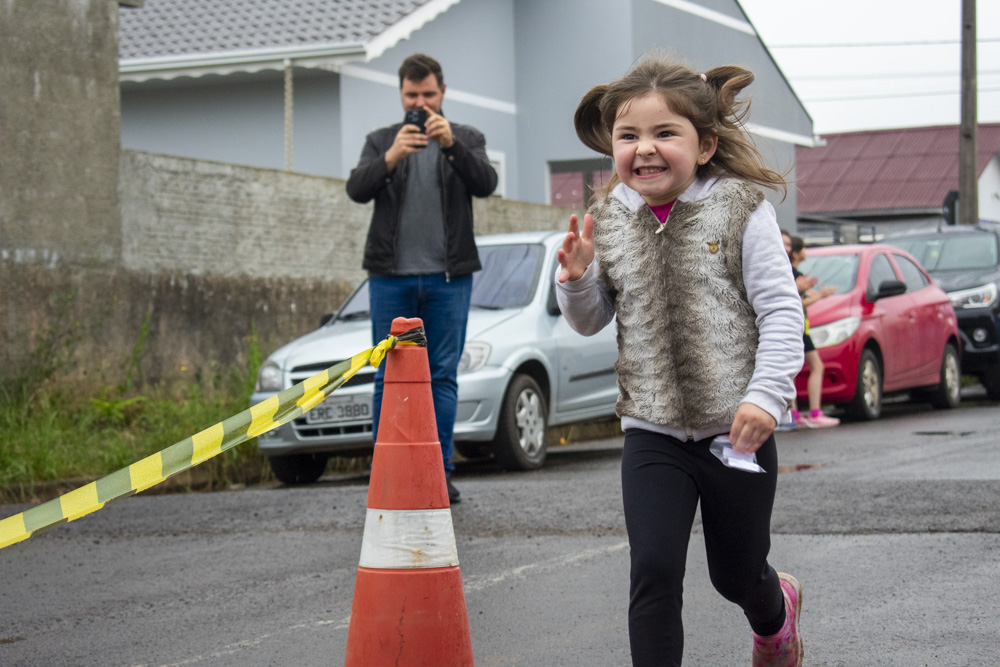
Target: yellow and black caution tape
<point>261,418</point>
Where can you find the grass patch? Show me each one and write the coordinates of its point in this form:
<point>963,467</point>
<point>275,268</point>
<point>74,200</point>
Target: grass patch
<point>61,435</point>
<point>55,437</point>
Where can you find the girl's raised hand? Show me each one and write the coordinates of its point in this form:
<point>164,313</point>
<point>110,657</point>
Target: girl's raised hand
<point>577,251</point>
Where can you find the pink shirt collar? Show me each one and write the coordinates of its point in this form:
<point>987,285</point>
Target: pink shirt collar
<point>661,212</point>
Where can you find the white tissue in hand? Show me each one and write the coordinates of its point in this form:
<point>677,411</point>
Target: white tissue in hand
<point>731,458</point>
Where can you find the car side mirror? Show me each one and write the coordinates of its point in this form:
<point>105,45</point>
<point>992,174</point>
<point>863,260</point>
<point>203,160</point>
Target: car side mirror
<point>553,304</point>
<point>890,288</point>
<point>326,318</point>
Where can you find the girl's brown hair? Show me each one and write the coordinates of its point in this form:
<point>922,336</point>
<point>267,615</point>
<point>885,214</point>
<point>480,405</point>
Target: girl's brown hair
<point>710,104</point>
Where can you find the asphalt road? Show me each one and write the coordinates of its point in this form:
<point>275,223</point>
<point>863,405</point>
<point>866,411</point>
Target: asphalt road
<point>891,526</point>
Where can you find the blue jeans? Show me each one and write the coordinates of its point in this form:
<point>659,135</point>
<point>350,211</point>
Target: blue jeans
<point>443,304</point>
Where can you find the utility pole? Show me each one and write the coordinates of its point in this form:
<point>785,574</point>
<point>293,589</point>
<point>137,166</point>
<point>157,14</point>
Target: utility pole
<point>968,191</point>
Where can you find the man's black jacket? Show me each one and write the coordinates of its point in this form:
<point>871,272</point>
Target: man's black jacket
<point>465,173</point>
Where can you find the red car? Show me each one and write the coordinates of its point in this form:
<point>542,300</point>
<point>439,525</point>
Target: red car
<point>887,328</point>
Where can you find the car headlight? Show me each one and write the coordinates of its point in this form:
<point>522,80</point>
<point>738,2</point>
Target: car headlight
<point>268,377</point>
<point>474,357</point>
<point>977,297</point>
<point>834,332</point>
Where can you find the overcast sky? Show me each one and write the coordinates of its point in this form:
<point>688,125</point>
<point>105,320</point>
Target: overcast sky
<point>902,70</point>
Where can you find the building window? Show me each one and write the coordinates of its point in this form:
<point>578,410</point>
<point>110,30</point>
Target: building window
<point>499,162</point>
<point>572,182</point>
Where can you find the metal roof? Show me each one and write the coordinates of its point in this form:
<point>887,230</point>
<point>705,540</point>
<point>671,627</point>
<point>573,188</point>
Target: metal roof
<point>169,38</point>
<point>910,168</point>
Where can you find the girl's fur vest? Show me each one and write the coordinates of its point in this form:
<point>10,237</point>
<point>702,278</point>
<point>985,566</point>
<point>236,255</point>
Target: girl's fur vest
<point>687,335</point>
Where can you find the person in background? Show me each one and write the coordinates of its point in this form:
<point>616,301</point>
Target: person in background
<point>684,253</point>
<point>802,283</point>
<point>420,252</point>
<point>814,385</point>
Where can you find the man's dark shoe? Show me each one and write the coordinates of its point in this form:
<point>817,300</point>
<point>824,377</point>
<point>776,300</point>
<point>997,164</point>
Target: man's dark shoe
<point>453,495</point>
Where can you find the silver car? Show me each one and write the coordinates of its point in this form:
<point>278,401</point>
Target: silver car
<point>523,369</point>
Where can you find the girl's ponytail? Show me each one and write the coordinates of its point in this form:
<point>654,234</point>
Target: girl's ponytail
<point>736,153</point>
<point>729,81</point>
<point>589,122</point>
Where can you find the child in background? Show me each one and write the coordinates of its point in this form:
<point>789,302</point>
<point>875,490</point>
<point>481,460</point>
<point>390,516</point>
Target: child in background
<point>814,385</point>
<point>684,250</point>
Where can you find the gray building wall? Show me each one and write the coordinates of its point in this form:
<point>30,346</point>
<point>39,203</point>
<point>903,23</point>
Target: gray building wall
<point>240,118</point>
<point>474,42</point>
<point>546,103</point>
<point>237,118</point>
<point>540,55</point>
<point>554,69</point>
<point>232,119</point>
<point>705,44</point>
<point>59,131</point>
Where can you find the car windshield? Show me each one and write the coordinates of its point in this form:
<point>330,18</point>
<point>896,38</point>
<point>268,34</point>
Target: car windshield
<point>840,271</point>
<point>508,279</point>
<point>356,307</point>
<point>509,275</point>
<point>950,253</point>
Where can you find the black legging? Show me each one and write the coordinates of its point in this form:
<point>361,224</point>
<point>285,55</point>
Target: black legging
<point>663,480</point>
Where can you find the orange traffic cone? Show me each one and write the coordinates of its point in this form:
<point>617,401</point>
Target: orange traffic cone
<point>409,606</point>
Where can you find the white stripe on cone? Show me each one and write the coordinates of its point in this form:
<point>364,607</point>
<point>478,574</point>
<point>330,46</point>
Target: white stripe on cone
<point>406,539</point>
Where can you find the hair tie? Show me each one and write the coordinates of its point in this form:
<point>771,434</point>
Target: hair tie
<point>704,78</point>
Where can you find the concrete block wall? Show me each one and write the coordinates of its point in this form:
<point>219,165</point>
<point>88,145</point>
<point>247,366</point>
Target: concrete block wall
<point>88,320</point>
<point>201,218</point>
<point>210,218</point>
<point>210,252</point>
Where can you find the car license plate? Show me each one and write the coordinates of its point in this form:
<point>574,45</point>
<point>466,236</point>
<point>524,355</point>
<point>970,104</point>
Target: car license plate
<point>339,409</point>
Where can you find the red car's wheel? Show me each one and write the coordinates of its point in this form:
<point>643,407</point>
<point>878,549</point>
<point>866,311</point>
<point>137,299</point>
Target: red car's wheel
<point>867,402</point>
<point>948,393</point>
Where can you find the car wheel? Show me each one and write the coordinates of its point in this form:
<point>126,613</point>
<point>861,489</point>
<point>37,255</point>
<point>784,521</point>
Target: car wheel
<point>991,382</point>
<point>474,450</point>
<point>520,440</point>
<point>298,468</point>
<point>867,402</point>
<point>949,392</point>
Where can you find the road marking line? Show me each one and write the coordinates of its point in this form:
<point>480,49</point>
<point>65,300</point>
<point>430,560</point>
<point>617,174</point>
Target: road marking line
<point>479,583</point>
<point>474,585</point>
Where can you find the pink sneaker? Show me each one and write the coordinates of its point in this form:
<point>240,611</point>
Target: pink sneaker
<point>819,420</point>
<point>785,648</point>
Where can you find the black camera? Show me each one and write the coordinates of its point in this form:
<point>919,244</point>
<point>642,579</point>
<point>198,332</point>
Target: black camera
<point>417,116</point>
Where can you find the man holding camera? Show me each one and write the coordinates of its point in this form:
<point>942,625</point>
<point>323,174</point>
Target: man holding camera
<point>420,252</point>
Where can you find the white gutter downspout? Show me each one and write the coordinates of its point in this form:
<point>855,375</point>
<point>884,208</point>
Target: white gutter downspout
<point>289,134</point>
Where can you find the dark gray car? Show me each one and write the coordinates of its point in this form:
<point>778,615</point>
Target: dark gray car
<point>965,262</point>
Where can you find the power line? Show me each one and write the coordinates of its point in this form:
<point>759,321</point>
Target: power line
<point>839,45</point>
<point>898,75</point>
<point>885,96</point>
